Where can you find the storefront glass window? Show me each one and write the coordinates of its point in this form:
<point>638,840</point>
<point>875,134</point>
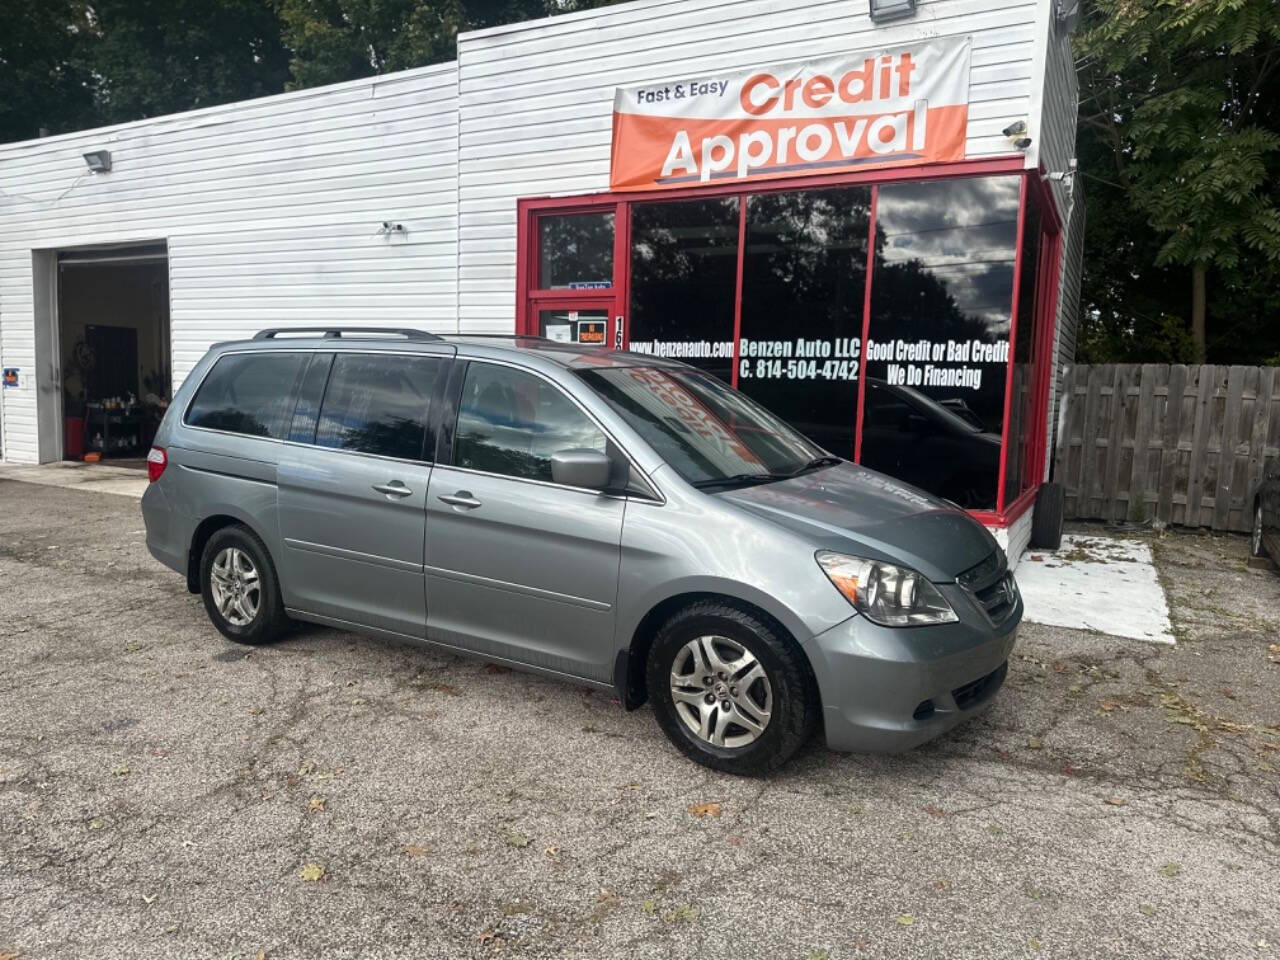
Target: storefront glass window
<point>575,251</point>
<point>1019,462</point>
<point>684,270</point>
<point>803,287</point>
<point>938,342</point>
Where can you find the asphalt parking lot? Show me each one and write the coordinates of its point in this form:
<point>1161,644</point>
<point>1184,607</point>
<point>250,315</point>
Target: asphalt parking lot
<point>166,794</point>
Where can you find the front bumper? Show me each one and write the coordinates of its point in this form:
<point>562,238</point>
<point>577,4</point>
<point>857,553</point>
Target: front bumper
<point>888,689</point>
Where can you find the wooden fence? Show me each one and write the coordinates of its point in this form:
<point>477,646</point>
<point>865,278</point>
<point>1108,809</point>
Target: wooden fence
<point>1187,445</point>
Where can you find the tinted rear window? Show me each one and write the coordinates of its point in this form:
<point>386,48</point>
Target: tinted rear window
<point>249,393</point>
<point>378,404</point>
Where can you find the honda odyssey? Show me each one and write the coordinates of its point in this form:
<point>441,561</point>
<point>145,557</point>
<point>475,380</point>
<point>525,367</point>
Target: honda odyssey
<point>618,520</point>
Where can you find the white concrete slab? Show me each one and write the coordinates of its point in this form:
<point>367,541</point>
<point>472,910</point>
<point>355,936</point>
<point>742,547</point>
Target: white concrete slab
<point>96,477</point>
<point>1097,583</point>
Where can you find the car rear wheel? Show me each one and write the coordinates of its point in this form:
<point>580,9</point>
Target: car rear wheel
<point>239,588</point>
<point>1255,538</point>
<point>731,690</point>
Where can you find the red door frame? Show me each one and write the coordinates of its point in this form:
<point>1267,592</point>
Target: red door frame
<point>1034,188</point>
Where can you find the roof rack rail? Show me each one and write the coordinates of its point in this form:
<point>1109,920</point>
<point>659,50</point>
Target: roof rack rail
<point>347,333</point>
<point>500,336</point>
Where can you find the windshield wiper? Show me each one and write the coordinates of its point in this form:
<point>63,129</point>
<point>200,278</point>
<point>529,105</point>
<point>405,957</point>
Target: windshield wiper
<point>816,463</point>
<point>740,480</point>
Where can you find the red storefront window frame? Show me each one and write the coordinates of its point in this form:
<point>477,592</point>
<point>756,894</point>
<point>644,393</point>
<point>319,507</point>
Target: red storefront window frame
<point>1034,189</point>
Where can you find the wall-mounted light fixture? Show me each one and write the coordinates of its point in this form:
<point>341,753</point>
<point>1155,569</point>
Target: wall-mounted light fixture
<point>99,161</point>
<point>1017,134</point>
<point>885,10</point>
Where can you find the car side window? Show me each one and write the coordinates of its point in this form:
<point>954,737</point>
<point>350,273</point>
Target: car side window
<point>378,403</point>
<point>511,423</point>
<point>249,393</point>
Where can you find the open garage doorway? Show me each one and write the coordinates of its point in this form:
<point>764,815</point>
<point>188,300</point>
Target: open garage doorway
<point>114,350</point>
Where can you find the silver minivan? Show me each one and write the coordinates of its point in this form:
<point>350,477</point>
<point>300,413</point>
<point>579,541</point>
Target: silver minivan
<point>618,520</point>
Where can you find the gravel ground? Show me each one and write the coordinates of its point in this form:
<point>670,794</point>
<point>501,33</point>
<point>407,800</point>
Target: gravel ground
<point>166,794</point>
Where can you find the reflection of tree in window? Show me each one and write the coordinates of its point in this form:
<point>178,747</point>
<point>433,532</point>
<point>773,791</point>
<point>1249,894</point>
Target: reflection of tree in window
<point>574,248</point>
<point>804,277</point>
<point>248,394</point>
<point>944,264</point>
<point>684,272</point>
<point>377,404</point>
<point>511,423</point>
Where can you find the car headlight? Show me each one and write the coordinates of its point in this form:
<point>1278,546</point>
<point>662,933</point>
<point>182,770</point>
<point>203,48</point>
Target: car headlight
<point>885,593</point>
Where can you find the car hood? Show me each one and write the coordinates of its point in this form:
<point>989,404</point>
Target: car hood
<point>855,510</point>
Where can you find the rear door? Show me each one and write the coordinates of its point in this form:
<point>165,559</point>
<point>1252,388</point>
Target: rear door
<point>518,566</point>
<point>353,489</point>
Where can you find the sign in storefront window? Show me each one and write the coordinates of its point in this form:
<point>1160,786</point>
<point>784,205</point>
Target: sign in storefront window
<point>938,340</point>
<point>575,251</point>
<point>803,287</point>
<point>684,271</point>
<point>586,327</point>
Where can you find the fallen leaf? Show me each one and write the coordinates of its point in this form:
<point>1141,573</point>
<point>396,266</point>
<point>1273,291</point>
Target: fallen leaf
<point>312,872</point>
<point>96,823</point>
<point>682,914</point>
<point>552,852</point>
<point>256,711</point>
<point>1117,801</point>
<point>1034,944</point>
<point>1171,869</point>
<point>316,804</point>
<point>1035,743</point>
<point>737,841</point>
<point>486,937</point>
<point>941,885</point>
<point>517,839</point>
<point>120,771</point>
<point>262,955</point>
<point>12,955</point>
<point>705,809</point>
<point>148,900</point>
<point>1147,910</point>
<point>1228,693</point>
<point>934,811</point>
<point>650,907</point>
<point>605,896</point>
<point>906,919</point>
<point>818,955</point>
<point>415,850</point>
<point>306,769</point>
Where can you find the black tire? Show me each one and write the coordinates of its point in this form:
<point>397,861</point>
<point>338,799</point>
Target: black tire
<point>794,710</point>
<point>269,621</point>
<point>1046,524</point>
<point>1256,546</point>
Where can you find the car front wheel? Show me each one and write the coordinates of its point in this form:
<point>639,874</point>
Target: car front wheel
<point>730,690</point>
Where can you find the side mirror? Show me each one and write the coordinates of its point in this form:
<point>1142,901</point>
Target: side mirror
<point>589,469</point>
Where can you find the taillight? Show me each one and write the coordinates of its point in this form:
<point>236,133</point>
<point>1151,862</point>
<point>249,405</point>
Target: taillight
<point>157,460</point>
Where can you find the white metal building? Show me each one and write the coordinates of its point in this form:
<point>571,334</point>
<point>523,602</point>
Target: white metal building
<point>498,194</point>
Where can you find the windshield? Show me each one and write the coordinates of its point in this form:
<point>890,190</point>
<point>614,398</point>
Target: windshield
<point>707,431</point>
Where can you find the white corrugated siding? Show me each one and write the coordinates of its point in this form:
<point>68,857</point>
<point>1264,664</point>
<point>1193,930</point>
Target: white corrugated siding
<point>270,209</point>
<point>536,98</point>
<point>1058,136</point>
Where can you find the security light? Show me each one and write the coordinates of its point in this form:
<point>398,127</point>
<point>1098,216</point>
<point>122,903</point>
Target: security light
<point>99,161</point>
<point>1015,129</point>
<point>884,10</point>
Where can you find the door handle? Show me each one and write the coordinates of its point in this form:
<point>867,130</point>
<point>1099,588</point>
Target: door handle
<point>393,489</point>
<point>462,498</point>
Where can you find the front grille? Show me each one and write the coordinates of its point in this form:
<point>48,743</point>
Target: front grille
<point>992,586</point>
<point>972,694</point>
<point>998,600</point>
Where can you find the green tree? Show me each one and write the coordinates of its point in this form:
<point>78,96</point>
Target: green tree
<point>152,57</point>
<point>335,40</point>
<point>43,83</point>
<point>1179,133</point>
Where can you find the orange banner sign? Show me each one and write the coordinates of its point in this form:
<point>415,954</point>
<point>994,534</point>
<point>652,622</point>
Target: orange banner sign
<point>907,104</point>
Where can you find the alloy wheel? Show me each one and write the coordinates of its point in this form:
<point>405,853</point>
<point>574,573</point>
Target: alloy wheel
<point>235,585</point>
<point>721,691</point>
